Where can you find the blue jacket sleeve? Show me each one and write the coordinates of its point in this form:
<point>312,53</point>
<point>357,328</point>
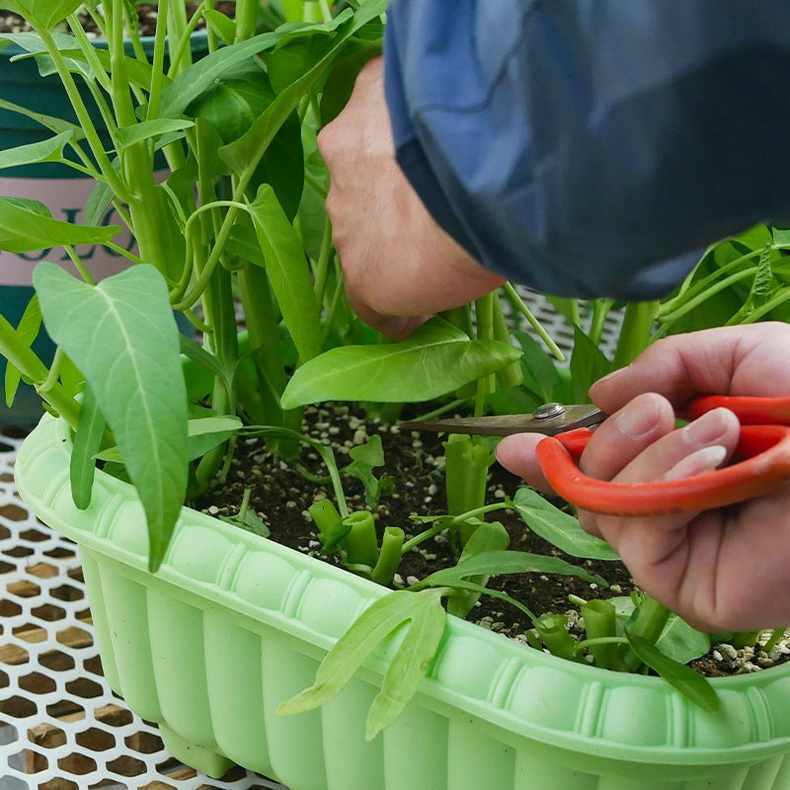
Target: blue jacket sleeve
<point>591,147</point>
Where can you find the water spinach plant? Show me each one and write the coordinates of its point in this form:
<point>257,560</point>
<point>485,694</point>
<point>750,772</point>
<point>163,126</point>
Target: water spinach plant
<point>239,223</point>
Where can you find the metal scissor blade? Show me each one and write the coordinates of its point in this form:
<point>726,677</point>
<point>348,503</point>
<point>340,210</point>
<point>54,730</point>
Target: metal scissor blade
<point>587,416</point>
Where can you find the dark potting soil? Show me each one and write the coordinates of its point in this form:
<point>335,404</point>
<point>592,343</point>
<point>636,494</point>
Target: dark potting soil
<point>146,15</point>
<point>281,494</point>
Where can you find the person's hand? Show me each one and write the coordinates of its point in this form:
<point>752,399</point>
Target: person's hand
<point>723,570</point>
<point>399,265</point>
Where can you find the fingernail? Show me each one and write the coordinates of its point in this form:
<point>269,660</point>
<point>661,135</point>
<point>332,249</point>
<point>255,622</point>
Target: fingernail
<point>638,417</point>
<point>705,460</point>
<point>708,428</point>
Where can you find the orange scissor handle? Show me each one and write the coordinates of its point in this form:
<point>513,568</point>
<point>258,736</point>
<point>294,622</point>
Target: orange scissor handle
<point>761,465</point>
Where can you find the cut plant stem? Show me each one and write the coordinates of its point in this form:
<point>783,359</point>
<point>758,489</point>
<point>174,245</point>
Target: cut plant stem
<point>600,623</point>
<point>554,633</point>
<point>649,622</point>
<point>519,305</point>
<point>361,543</point>
<point>390,555</point>
<point>466,477</point>
<point>327,521</point>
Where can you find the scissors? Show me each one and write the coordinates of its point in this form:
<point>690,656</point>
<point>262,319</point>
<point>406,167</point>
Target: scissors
<point>760,464</point>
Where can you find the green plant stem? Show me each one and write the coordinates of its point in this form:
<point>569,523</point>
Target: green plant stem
<point>158,70</point>
<point>553,632</point>
<point>518,304</point>
<point>427,534</point>
<point>263,333</point>
<point>105,112</point>
<point>600,622</point>
<point>601,309</point>
<point>324,259</point>
<point>133,34</point>
<point>27,362</point>
<point>649,623</point>
<point>121,97</point>
<point>245,502</point>
<point>605,641</point>
<point>777,300</point>
<point>333,305</point>
<point>121,212</point>
<point>695,302</point>
<point>687,291</point>
<point>390,556</point>
<point>443,523</point>
<point>481,511</point>
<point>245,19</point>
<point>136,159</point>
<point>361,543</point>
<point>111,245</point>
<point>186,37</point>
<point>512,375</point>
<point>776,636</point>
<point>97,20</point>
<point>81,111</point>
<point>211,37</point>
<point>54,373</point>
<point>326,519</point>
<point>179,299</point>
<point>484,312</point>
<point>448,407</point>
<point>636,333</point>
<point>82,270</point>
<point>218,307</point>
<point>460,317</point>
<point>176,25</point>
<point>310,11</point>
<point>466,477</point>
<point>86,171</point>
<point>201,326</point>
<point>89,52</point>
<point>326,13</point>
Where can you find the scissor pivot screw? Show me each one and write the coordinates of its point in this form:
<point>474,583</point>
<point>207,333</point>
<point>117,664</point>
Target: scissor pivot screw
<point>549,410</point>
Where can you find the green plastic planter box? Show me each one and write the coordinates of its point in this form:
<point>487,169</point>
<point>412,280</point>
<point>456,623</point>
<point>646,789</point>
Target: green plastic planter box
<point>234,624</point>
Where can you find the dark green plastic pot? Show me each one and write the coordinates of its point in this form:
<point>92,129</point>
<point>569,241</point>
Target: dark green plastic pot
<point>59,187</point>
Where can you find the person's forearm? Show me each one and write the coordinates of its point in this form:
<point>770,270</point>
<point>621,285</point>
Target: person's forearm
<point>596,147</point>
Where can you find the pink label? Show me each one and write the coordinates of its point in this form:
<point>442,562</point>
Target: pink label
<point>65,197</point>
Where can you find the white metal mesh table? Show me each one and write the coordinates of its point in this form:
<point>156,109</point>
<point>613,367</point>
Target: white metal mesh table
<point>61,727</point>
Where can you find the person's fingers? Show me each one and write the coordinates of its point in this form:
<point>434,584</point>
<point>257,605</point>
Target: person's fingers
<point>678,453</point>
<point>736,360</point>
<point>701,446</point>
<point>517,454</point>
<point>626,434</point>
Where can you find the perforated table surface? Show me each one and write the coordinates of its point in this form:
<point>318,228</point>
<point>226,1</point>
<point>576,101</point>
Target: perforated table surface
<point>61,727</point>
